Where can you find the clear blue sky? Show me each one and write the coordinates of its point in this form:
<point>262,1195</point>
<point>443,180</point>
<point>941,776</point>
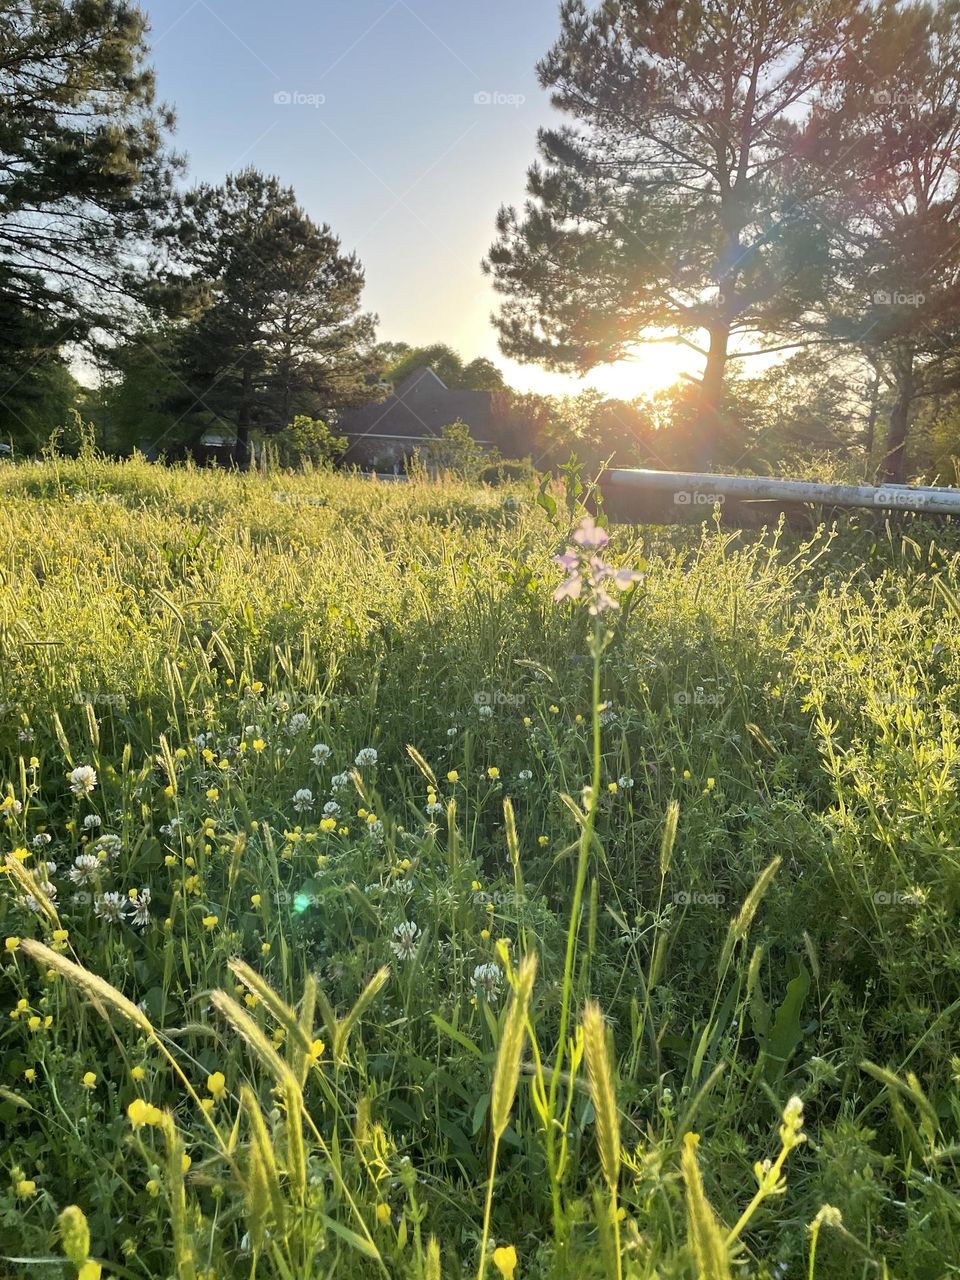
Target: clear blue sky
<point>398,157</point>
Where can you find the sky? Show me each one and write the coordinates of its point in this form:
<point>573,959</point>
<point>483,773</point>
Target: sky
<point>403,124</point>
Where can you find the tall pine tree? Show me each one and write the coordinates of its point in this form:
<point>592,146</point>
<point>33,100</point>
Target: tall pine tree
<point>665,204</point>
<point>84,169</point>
<point>277,329</point>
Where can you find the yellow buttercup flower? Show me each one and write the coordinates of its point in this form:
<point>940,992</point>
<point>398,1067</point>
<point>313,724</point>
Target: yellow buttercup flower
<point>383,1213</point>
<point>137,1073</point>
<point>211,922</point>
<point>141,1112</point>
<point>505,1260</point>
<point>217,1084</point>
<point>11,944</point>
<point>453,776</point>
<point>26,1188</point>
<point>493,772</point>
<point>255,900</point>
<point>89,1080</point>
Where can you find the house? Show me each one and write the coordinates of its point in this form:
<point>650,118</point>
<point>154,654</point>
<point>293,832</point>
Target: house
<point>383,435</point>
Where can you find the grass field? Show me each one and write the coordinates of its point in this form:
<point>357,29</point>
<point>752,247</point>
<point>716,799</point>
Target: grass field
<point>359,895</point>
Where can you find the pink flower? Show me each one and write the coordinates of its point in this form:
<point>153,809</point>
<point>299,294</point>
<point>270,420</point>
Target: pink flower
<point>589,535</point>
<point>587,572</point>
<point>569,589</point>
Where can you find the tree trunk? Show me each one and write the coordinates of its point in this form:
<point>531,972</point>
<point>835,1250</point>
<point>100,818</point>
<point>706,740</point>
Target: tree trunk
<point>870,436</point>
<point>242,454</point>
<point>895,461</point>
<point>708,426</point>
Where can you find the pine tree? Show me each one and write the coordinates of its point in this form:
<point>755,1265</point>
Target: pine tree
<point>275,330</point>
<point>665,204</point>
<point>84,170</point>
<point>895,138</point>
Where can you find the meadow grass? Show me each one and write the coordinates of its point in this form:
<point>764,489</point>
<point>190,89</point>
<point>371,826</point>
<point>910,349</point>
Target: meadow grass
<point>370,913</point>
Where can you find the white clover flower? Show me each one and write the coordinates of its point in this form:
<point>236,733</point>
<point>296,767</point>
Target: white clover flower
<point>85,867</point>
<point>366,756</point>
<point>109,845</point>
<point>303,800</point>
<point>25,735</point>
<point>200,740</point>
<point>140,905</point>
<point>297,723</point>
<point>452,731</point>
<point>624,783</point>
<point>525,775</point>
<point>405,938</point>
<point>485,712</point>
<point>376,830</point>
<point>486,981</point>
<point>51,869</point>
<point>92,820</point>
<point>11,806</point>
<point>43,838</point>
<point>340,781</point>
<point>331,809</point>
<point>434,807</point>
<point>109,907</point>
<point>320,753</point>
<point>83,780</point>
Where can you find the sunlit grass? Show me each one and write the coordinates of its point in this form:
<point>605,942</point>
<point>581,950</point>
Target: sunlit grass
<point>354,774</point>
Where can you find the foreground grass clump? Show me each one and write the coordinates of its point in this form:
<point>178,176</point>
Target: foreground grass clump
<point>360,896</point>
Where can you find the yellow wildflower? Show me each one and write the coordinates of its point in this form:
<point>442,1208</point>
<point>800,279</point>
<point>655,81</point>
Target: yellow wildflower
<point>141,1112</point>
<point>505,1260</point>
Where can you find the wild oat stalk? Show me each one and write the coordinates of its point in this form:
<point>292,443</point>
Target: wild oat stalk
<point>506,1073</point>
<point>706,1238</point>
<point>603,1094</point>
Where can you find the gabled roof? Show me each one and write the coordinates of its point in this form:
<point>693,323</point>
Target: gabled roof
<point>426,374</point>
<point>420,406</point>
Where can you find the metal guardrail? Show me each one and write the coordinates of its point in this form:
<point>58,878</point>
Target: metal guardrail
<point>689,491</point>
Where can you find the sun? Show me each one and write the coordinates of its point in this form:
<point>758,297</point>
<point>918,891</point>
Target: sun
<point>653,368</point>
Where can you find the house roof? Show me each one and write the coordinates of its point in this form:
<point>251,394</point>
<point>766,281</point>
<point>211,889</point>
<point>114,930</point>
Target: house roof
<point>419,406</point>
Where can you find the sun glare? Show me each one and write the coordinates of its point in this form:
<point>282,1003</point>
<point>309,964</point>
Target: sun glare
<point>652,369</point>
